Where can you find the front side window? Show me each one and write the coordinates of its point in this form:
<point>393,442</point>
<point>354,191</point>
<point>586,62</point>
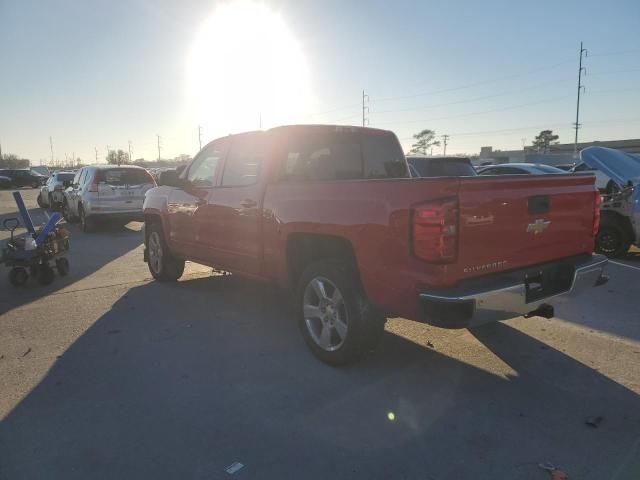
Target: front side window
<point>245,158</point>
<point>202,172</point>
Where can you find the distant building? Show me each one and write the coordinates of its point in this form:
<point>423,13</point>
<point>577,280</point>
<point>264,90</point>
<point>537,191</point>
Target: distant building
<point>559,154</point>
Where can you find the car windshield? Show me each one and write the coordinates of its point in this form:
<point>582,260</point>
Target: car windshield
<point>63,177</point>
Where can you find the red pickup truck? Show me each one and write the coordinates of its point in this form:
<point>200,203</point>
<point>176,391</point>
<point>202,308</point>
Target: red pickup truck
<point>332,213</point>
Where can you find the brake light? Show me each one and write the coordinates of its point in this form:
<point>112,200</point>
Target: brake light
<point>596,213</point>
<point>435,231</point>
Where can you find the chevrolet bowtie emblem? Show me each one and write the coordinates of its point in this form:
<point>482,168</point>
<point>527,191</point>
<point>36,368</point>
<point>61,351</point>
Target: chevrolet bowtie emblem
<point>538,226</point>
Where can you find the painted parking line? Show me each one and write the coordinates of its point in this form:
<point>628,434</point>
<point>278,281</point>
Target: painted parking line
<point>625,265</point>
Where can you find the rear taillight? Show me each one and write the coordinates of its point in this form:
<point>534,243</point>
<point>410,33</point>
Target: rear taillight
<point>435,231</point>
<point>596,213</point>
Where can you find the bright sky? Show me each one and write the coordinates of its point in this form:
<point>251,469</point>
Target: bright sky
<point>97,73</point>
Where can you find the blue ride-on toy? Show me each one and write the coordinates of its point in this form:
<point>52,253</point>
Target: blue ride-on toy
<point>37,251</point>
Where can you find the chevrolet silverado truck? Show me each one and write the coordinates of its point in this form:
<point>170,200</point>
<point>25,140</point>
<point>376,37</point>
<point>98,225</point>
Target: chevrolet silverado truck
<point>332,214</point>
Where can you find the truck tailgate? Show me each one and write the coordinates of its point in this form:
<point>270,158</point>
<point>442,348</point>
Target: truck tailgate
<point>510,222</point>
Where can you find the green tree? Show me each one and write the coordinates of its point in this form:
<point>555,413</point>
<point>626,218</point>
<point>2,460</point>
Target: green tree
<point>10,160</point>
<point>543,140</point>
<point>119,157</point>
<point>424,140</point>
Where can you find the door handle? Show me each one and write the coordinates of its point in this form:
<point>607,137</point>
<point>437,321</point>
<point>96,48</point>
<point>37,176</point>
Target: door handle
<point>248,203</point>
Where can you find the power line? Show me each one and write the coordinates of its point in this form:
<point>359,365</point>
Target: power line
<point>470,100</point>
<point>583,51</point>
<point>475,84</point>
<point>501,109</point>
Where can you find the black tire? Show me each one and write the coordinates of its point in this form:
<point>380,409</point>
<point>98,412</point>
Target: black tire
<point>18,276</point>
<point>162,264</point>
<point>87,224</point>
<point>66,211</point>
<point>612,239</point>
<point>45,274</point>
<point>39,201</point>
<point>364,325</point>
<point>62,265</point>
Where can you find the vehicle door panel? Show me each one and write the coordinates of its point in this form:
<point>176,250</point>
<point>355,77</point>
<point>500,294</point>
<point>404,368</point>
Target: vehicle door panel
<point>187,206</point>
<point>232,224</point>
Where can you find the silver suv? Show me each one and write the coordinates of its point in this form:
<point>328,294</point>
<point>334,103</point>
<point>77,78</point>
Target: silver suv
<point>101,192</point>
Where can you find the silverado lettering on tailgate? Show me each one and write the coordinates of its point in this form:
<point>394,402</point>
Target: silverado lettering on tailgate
<point>486,266</point>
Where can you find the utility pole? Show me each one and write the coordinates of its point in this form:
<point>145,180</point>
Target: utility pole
<point>158,147</point>
<point>96,149</point>
<point>130,153</point>
<point>583,51</point>
<point>0,151</point>
<point>200,136</point>
<point>365,109</point>
<point>444,141</point>
<point>260,120</point>
<point>51,145</point>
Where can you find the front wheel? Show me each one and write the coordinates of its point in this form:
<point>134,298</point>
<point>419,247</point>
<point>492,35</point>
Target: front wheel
<point>612,240</point>
<point>162,264</point>
<point>337,321</point>
<point>18,276</point>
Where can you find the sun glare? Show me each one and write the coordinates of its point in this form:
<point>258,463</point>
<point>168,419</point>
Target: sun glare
<point>245,64</point>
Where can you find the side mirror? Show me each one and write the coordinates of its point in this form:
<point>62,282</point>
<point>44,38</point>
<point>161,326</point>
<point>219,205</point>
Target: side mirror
<point>170,178</point>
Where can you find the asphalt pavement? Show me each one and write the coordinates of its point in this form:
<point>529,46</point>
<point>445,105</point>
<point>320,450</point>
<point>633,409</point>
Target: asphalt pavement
<point>108,374</point>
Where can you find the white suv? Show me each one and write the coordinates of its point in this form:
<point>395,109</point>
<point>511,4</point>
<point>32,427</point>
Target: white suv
<point>101,192</point>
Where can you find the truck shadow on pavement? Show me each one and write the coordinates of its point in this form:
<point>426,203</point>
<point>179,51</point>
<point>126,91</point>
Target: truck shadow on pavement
<point>181,380</point>
<point>87,255</point>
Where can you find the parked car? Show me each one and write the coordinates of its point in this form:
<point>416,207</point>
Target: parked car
<point>5,182</point>
<point>106,192</point>
<point>42,170</point>
<point>430,166</point>
<point>23,177</point>
<point>52,193</point>
<point>620,210</point>
<point>331,213</point>
<point>519,169</point>
<point>602,181</point>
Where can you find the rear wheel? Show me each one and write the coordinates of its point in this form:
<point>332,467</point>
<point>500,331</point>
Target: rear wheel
<point>162,264</point>
<point>62,265</point>
<point>66,211</point>
<point>337,321</point>
<point>87,224</point>
<point>18,276</point>
<point>612,240</point>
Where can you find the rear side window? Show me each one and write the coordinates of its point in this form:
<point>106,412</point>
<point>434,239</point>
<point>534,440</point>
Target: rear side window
<point>244,160</point>
<point>124,176</point>
<point>383,157</point>
<point>342,155</point>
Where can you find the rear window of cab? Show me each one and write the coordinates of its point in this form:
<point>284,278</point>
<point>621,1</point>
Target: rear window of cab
<point>124,176</point>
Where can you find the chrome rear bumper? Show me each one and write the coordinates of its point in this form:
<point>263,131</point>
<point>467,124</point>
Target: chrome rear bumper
<point>513,294</point>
